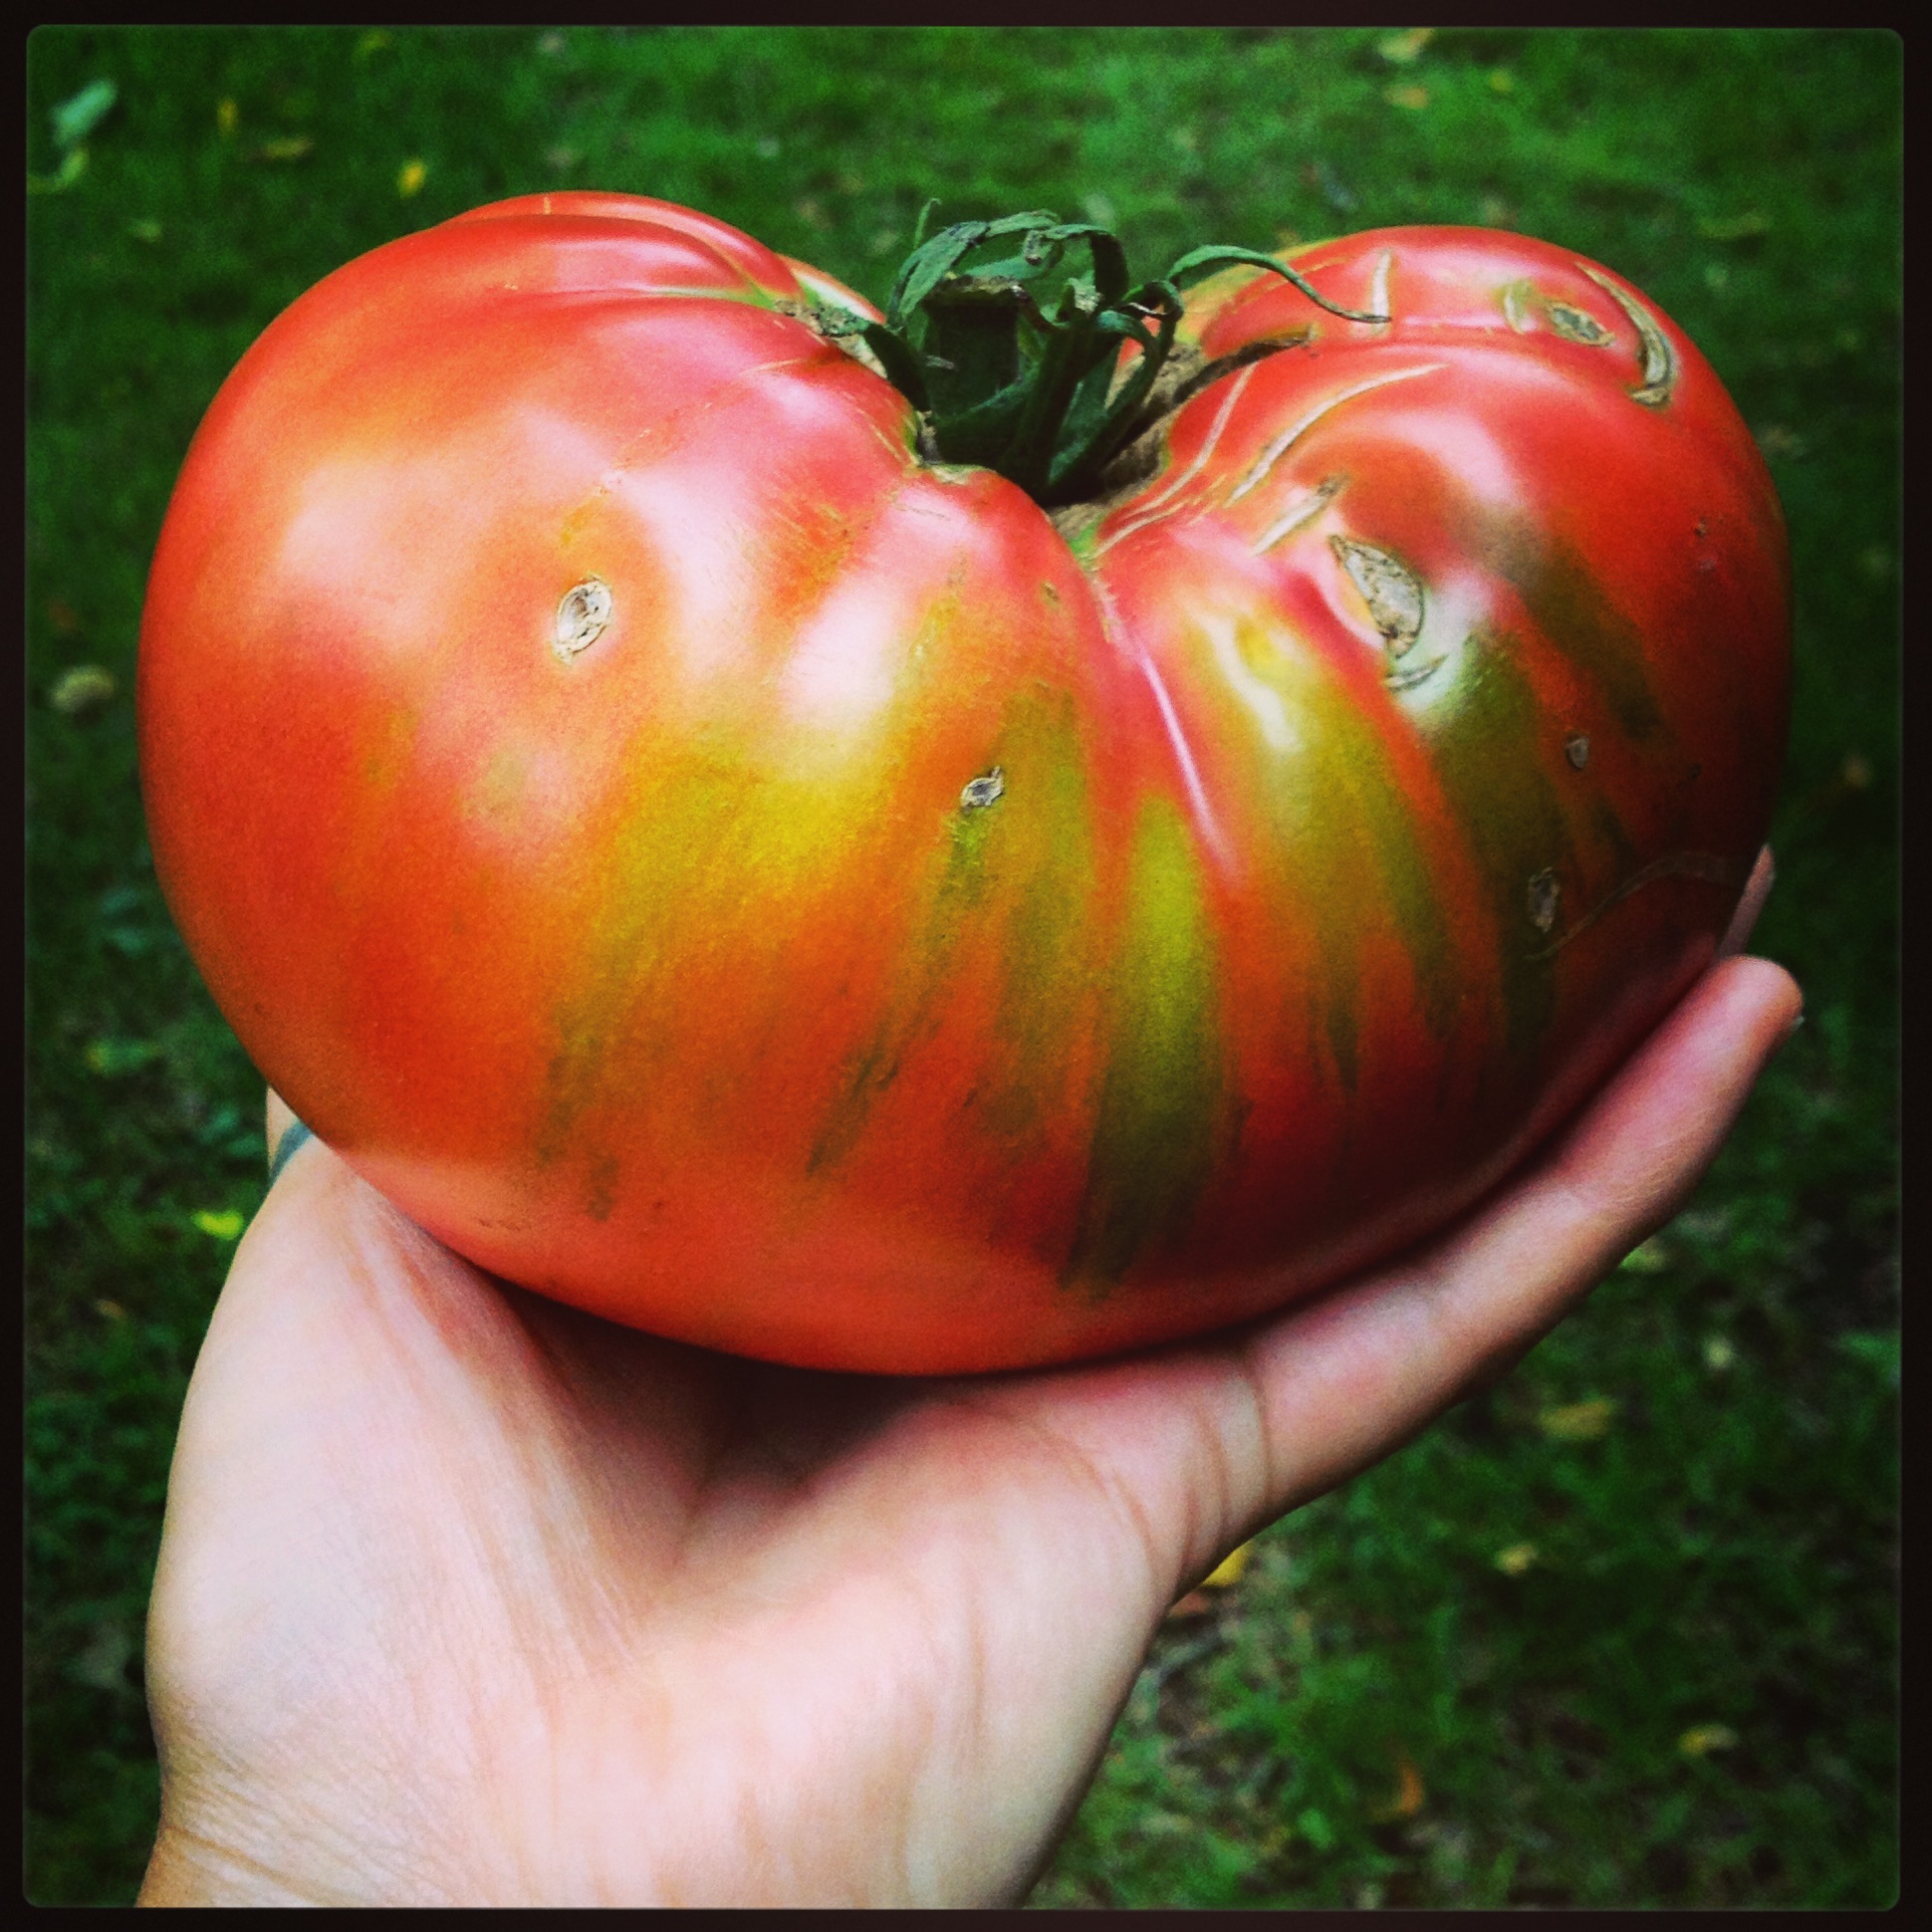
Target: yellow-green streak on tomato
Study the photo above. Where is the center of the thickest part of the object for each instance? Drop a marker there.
(1511, 814)
(1163, 1091)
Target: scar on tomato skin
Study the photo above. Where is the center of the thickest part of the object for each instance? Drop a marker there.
(582, 618)
(1659, 359)
(1280, 445)
(982, 790)
(1406, 675)
(1577, 750)
(1578, 325)
(1392, 592)
(1707, 868)
(1546, 895)
(1163, 501)
(1306, 509)
(1379, 288)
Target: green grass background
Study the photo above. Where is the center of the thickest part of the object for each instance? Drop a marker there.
(1703, 1462)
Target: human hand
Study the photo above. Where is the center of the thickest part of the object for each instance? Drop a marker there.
(466, 1597)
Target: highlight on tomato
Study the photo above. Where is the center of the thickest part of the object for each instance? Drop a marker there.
(1054, 815)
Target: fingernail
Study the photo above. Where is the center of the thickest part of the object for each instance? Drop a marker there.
(293, 1136)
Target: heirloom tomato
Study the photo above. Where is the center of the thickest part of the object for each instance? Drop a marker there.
(968, 835)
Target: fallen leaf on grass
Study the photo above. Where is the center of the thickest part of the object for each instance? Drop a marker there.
(1702, 1739)
(1410, 1792)
(1229, 1570)
(1405, 47)
(80, 113)
(79, 689)
(113, 1058)
(73, 164)
(1578, 1421)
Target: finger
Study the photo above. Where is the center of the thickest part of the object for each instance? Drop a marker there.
(1756, 888)
(1344, 1381)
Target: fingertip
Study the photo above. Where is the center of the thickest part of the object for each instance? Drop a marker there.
(1760, 994)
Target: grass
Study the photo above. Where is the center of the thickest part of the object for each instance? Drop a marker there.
(1622, 1632)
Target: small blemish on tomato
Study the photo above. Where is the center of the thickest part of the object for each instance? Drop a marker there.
(1391, 591)
(982, 790)
(1577, 750)
(1546, 892)
(580, 617)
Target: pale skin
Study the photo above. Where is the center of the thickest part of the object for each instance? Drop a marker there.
(466, 1598)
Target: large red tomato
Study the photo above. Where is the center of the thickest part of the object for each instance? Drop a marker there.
(718, 865)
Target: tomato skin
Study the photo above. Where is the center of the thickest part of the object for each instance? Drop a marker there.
(1369, 778)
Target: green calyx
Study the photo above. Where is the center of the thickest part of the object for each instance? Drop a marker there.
(1041, 396)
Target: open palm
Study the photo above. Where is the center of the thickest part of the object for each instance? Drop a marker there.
(467, 1597)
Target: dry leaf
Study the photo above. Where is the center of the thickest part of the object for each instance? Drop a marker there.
(1405, 47)
(1578, 1421)
(1702, 1739)
(113, 1058)
(79, 689)
(1229, 1570)
(1410, 1792)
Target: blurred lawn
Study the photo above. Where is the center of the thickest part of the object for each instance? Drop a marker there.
(1622, 1632)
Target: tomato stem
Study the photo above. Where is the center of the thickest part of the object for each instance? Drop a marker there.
(1040, 397)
